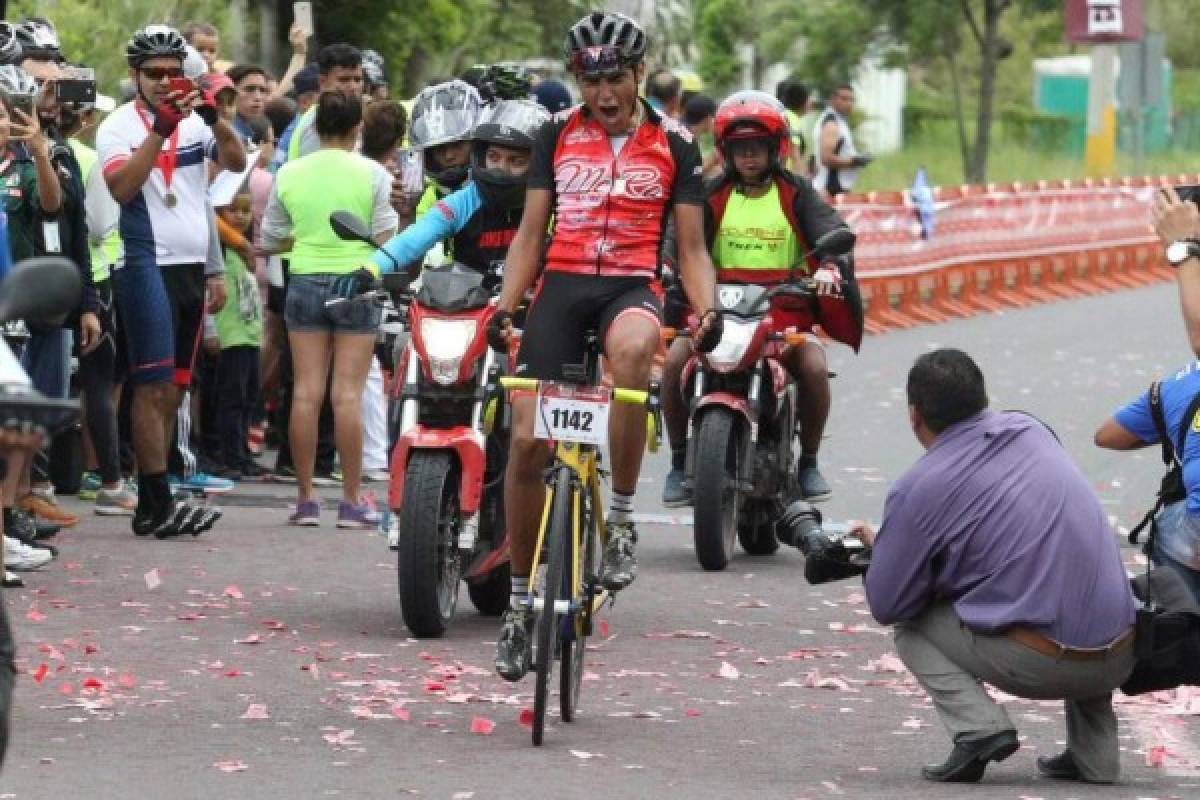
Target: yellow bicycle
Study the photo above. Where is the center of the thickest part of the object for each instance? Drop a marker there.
(565, 590)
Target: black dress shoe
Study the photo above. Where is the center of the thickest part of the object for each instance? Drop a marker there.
(968, 760)
(1060, 767)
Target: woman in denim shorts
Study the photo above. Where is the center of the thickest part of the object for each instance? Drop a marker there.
(323, 268)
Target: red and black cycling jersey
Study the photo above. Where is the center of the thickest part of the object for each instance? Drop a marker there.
(610, 210)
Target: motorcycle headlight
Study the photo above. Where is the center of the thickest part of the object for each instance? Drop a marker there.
(446, 342)
(735, 339)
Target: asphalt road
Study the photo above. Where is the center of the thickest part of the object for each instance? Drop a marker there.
(261, 661)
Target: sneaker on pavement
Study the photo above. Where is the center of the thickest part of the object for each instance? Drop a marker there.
(43, 507)
(674, 493)
(813, 486)
(25, 529)
(356, 515)
(12, 581)
(201, 482)
(119, 502)
(307, 514)
(21, 557)
(188, 519)
(89, 485)
(620, 563)
(514, 651)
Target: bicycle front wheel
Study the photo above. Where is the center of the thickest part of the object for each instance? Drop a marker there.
(578, 625)
(558, 528)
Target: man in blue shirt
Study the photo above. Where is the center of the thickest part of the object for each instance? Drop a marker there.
(996, 563)
(1177, 536)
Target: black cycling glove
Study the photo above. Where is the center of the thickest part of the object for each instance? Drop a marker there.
(350, 286)
(498, 332)
(706, 340)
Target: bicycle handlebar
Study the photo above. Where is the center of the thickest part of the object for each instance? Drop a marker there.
(634, 397)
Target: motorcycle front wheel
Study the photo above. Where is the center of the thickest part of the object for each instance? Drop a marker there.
(715, 496)
(427, 558)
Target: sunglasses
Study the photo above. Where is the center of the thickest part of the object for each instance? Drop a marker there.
(158, 73)
(601, 60)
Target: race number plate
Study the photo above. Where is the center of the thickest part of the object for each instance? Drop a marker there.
(572, 414)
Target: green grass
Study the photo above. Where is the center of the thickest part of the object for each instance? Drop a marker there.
(1008, 161)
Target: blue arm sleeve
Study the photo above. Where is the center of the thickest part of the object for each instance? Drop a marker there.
(445, 219)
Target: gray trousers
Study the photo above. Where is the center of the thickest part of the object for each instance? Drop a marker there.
(950, 661)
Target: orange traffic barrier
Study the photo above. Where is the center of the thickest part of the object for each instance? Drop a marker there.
(1002, 245)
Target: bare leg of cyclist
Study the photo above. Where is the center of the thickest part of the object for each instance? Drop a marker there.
(352, 354)
(675, 418)
(310, 354)
(808, 366)
(524, 497)
(629, 348)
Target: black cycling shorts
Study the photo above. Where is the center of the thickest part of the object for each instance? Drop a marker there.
(566, 307)
(161, 311)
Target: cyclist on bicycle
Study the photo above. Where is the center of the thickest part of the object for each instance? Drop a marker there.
(760, 219)
(609, 171)
(481, 217)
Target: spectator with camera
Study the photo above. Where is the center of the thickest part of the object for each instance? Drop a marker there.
(154, 152)
(47, 357)
(995, 562)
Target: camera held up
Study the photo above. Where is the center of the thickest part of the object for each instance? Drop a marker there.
(828, 556)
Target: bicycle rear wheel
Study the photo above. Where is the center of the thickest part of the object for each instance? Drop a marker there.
(558, 528)
(578, 626)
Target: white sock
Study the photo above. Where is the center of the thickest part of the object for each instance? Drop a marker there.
(620, 507)
(519, 592)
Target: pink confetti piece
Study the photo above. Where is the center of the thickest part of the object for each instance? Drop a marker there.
(33, 615)
(886, 663)
(274, 624)
(126, 680)
(603, 628)
(233, 673)
(66, 689)
(1156, 756)
(728, 671)
(40, 673)
(253, 638)
(482, 726)
(691, 712)
(401, 713)
(231, 766)
(233, 592)
(435, 686)
(90, 649)
(153, 579)
(526, 717)
(256, 711)
(93, 683)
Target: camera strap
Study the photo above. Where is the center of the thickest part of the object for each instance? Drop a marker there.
(1171, 490)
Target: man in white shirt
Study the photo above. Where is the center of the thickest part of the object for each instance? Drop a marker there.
(153, 154)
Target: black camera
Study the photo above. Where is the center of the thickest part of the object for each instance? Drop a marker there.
(828, 556)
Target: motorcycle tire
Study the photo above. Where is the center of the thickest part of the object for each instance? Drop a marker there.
(490, 594)
(427, 558)
(715, 497)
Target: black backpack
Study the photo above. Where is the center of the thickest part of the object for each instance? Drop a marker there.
(1171, 490)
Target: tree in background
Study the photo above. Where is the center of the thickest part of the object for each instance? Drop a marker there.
(94, 32)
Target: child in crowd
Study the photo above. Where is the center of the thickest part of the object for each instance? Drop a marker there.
(204, 37)
(239, 331)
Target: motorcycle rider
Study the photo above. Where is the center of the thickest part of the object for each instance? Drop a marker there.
(443, 117)
(760, 219)
(482, 216)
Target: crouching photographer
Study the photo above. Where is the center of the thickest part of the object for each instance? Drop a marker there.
(995, 562)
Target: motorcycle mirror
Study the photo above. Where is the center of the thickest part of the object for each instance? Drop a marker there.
(836, 242)
(41, 290)
(349, 227)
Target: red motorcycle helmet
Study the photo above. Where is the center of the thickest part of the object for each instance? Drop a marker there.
(751, 114)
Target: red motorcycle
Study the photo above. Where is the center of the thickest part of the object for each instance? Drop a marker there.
(742, 437)
(448, 460)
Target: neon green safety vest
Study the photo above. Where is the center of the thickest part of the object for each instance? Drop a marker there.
(109, 251)
(755, 234)
(313, 187)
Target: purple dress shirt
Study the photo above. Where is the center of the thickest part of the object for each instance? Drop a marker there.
(996, 518)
